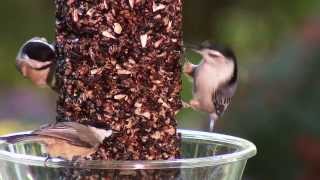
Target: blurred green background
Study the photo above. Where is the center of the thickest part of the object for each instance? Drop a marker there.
(276, 105)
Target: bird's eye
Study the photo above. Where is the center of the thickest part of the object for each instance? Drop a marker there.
(213, 55)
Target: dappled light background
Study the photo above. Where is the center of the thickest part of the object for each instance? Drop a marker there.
(277, 105)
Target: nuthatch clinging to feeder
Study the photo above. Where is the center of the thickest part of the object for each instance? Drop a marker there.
(67, 140)
(215, 80)
(36, 60)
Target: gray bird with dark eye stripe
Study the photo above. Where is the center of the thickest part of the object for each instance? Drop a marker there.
(215, 80)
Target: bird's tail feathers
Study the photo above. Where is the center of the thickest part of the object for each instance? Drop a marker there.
(19, 138)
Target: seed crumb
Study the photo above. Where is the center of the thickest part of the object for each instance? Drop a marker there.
(107, 34)
(131, 3)
(123, 72)
(157, 7)
(120, 96)
(144, 40)
(156, 135)
(139, 112)
(117, 28)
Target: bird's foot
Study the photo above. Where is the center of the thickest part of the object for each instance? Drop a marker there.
(195, 104)
(185, 105)
(188, 68)
(48, 157)
(76, 161)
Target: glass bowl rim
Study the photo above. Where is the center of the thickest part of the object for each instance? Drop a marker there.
(246, 151)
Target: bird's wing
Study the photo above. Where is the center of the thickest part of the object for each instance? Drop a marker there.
(85, 133)
(222, 98)
(195, 80)
(65, 131)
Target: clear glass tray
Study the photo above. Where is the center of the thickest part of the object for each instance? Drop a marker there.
(205, 156)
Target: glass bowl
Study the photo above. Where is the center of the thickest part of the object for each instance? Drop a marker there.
(205, 156)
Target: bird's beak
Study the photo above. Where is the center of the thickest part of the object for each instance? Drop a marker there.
(197, 51)
(194, 48)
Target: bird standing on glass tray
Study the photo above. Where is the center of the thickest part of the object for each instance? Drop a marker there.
(214, 80)
(36, 61)
(67, 140)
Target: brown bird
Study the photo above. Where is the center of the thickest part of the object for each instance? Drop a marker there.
(67, 140)
(36, 61)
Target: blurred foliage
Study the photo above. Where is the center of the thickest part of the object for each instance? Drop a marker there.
(277, 44)
(10, 125)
